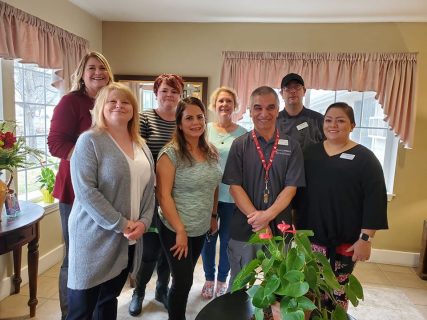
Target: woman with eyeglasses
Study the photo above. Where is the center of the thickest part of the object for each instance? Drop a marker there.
(188, 174)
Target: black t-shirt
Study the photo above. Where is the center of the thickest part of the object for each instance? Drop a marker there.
(306, 127)
(244, 168)
(345, 193)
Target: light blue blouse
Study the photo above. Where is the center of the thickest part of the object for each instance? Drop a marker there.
(223, 141)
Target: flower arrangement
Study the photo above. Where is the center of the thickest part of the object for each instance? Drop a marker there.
(290, 272)
(14, 152)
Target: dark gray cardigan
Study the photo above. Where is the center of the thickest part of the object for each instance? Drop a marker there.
(100, 174)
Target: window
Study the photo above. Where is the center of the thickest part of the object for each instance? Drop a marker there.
(35, 100)
(371, 129)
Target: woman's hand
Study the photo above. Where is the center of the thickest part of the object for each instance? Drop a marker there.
(180, 249)
(362, 250)
(214, 225)
(135, 230)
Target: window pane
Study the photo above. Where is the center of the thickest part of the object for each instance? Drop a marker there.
(373, 139)
(34, 87)
(19, 84)
(34, 120)
(30, 177)
(319, 100)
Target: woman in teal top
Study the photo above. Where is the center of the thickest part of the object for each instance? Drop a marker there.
(221, 134)
(188, 174)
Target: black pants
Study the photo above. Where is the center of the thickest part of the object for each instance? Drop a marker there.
(182, 270)
(152, 255)
(99, 302)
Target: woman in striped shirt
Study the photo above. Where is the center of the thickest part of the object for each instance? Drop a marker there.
(156, 126)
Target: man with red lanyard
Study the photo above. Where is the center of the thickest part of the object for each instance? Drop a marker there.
(264, 169)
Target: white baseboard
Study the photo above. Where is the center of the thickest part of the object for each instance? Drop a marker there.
(46, 261)
(409, 259)
(399, 258)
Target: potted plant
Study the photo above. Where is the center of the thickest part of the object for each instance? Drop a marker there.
(14, 153)
(290, 275)
(47, 182)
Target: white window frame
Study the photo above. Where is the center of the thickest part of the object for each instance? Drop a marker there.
(8, 111)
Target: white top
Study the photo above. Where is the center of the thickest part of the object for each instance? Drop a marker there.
(138, 168)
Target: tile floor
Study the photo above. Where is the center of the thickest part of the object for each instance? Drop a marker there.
(403, 278)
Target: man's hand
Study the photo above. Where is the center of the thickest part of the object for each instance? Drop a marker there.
(258, 220)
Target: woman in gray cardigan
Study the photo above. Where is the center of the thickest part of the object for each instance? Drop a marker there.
(112, 172)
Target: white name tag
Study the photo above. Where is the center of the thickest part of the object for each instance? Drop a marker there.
(347, 156)
(302, 125)
(283, 142)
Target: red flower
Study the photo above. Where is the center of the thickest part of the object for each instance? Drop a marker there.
(8, 139)
(284, 228)
(266, 235)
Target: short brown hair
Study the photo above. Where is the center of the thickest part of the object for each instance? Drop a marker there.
(171, 80)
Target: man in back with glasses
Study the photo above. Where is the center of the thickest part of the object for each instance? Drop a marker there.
(302, 124)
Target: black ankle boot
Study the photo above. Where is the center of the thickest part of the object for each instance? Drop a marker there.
(135, 306)
(162, 297)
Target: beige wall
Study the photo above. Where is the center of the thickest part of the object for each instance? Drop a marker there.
(195, 50)
(64, 14)
(71, 18)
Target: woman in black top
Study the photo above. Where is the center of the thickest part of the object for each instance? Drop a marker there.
(345, 200)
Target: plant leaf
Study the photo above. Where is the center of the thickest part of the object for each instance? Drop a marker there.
(305, 303)
(310, 274)
(295, 315)
(245, 275)
(339, 313)
(294, 276)
(272, 284)
(355, 286)
(296, 289)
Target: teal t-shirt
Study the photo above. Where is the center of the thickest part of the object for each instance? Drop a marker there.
(223, 141)
(193, 192)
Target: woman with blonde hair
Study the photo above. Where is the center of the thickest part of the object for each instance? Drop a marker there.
(221, 133)
(188, 175)
(70, 118)
(112, 171)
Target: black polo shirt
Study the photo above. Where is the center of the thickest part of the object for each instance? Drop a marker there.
(306, 127)
(244, 168)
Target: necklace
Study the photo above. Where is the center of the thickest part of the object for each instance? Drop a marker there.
(266, 165)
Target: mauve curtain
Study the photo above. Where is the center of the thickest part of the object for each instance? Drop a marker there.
(391, 75)
(33, 40)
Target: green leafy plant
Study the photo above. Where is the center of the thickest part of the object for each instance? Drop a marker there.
(290, 272)
(46, 179)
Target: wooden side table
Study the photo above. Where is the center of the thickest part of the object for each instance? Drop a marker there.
(16, 232)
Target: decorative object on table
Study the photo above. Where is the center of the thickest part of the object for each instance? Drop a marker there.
(11, 203)
(14, 153)
(47, 182)
(292, 280)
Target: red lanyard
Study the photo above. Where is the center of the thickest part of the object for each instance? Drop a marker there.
(265, 165)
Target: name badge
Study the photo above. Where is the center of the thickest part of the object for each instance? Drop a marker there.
(283, 142)
(347, 156)
(302, 125)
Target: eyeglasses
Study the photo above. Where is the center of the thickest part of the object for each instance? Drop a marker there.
(296, 87)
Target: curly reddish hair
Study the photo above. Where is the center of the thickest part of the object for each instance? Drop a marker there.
(171, 80)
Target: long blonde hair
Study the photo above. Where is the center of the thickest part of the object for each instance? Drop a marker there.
(98, 119)
(77, 77)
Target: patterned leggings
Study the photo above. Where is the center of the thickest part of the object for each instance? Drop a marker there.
(343, 268)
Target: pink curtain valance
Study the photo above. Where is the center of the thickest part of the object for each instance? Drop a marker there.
(391, 75)
(33, 40)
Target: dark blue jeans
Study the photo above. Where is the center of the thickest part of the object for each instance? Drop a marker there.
(64, 211)
(225, 212)
(182, 270)
(99, 302)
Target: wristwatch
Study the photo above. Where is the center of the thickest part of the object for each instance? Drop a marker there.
(365, 237)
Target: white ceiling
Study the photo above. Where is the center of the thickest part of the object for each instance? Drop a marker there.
(281, 11)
